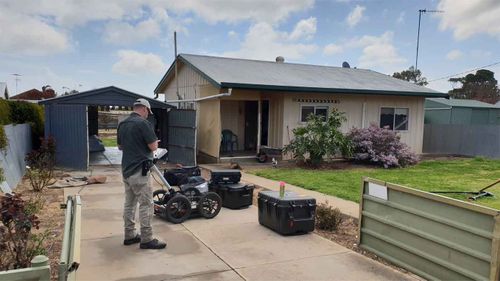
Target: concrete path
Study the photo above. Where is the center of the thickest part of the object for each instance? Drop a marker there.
(232, 246)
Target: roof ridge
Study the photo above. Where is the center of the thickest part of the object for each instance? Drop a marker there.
(273, 62)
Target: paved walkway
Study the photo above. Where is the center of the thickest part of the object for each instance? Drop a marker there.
(232, 246)
(346, 207)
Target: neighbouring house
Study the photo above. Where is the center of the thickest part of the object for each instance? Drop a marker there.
(35, 94)
(4, 91)
(461, 111)
(259, 103)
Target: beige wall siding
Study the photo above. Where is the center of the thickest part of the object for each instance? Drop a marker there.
(352, 105)
(209, 123)
(275, 119)
(189, 84)
(233, 118)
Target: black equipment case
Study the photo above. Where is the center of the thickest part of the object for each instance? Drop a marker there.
(234, 195)
(291, 214)
(225, 176)
(180, 176)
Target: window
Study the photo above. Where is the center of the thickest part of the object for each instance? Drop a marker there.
(394, 118)
(306, 110)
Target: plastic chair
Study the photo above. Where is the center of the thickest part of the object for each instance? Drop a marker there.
(229, 139)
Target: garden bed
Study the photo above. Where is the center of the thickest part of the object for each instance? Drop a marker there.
(51, 218)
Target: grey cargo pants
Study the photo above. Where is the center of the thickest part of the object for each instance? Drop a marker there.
(138, 190)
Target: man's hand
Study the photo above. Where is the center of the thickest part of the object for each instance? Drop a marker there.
(154, 145)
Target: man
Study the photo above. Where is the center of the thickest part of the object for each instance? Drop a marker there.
(137, 140)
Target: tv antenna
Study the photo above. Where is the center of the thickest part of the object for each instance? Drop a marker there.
(420, 12)
(17, 75)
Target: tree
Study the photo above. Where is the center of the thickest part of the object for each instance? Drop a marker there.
(481, 86)
(319, 138)
(411, 75)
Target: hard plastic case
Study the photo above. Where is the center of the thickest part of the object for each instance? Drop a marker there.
(225, 176)
(292, 214)
(234, 195)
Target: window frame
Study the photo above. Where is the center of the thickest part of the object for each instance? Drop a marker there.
(314, 109)
(394, 117)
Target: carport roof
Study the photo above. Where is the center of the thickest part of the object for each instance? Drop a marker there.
(104, 96)
(266, 75)
(463, 103)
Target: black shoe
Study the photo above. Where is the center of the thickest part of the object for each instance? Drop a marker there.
(136, 239)
(153, 244)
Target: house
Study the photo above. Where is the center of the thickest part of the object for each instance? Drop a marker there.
(4, 91)
(460, 111)
(261, 102)
(35, 94)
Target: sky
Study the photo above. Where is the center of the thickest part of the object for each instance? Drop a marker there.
(83, 45)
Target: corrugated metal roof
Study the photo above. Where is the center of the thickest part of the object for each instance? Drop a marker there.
(463, 103)
(254, 74)
(105, 96)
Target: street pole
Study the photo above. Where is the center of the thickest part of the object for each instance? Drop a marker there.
(420, 12)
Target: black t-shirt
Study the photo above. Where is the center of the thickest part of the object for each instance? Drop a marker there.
(134, 135)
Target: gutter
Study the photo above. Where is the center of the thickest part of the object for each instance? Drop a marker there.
(203, 98)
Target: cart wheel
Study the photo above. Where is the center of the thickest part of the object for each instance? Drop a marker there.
(178, 209)
(160, 196)
(209, 205)
(262, 157)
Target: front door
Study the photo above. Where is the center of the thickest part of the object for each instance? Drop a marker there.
(251, 111)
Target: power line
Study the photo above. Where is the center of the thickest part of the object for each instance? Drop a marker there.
(474, 69)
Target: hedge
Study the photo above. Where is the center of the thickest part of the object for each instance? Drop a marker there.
(20, 112)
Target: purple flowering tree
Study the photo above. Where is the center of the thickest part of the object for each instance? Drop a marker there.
(380, 146)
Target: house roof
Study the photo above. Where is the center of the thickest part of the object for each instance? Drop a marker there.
(265, 75)
(462, 103)
(34, 94)
(105, 96)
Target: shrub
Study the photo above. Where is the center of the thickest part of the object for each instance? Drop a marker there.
(381, 146)
(319, 138)
(328, 218)
(18, 242)
(41, 163)
(4, 112)
(4, 142)
(25, 112)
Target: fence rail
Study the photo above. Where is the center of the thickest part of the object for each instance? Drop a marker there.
(433, 236)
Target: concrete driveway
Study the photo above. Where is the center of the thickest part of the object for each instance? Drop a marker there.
(232, 246)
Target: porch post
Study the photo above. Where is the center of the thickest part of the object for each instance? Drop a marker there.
(259, 125)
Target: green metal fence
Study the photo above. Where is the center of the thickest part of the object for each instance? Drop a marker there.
(436, 237)
(70, 253)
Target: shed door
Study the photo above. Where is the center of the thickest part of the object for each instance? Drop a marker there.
(182, 136)
(68, 125)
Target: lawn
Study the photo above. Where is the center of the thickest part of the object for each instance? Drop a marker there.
(107, 142)
(430, 175)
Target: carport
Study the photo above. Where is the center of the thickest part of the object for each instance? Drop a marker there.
(73, 118)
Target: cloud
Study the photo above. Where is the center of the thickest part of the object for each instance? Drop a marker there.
(332, 49)
(122, 33)
(378, 52)
(263, 42)
(24, 35)
(355, 15)
(470, 17)
(401, 18)
(304, 29)
(133, 63)
(231, 11)
(454, 55)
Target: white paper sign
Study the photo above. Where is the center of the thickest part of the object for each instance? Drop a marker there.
(377, 190)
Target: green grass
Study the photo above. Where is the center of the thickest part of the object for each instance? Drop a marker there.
(109, 142)
(431, 175)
